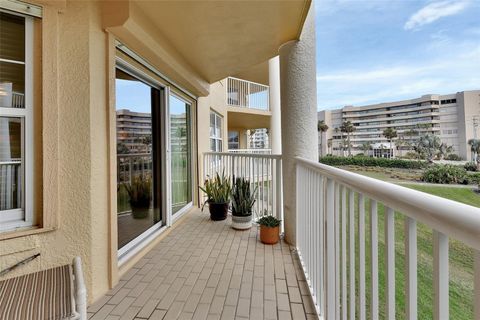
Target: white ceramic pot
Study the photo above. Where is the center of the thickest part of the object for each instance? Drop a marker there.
(241, 222)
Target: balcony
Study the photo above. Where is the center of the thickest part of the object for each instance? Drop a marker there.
(207, 270)
(247, 94)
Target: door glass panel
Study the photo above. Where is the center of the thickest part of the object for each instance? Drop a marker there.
(180, 146)
(136, 208)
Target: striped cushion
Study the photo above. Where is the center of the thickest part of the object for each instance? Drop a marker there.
(42, 295)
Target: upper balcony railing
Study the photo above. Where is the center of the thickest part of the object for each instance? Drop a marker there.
(333, 213)
(247, 94)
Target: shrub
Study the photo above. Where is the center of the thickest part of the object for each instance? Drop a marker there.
(453, 157)
(411, 155)
(445, 174)
(372, 162)
(473, 178)
(470, 166)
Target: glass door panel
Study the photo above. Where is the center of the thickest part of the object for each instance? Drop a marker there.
(180, 146)
(137, 169)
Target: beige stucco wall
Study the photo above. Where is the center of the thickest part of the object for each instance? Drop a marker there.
(74, 149)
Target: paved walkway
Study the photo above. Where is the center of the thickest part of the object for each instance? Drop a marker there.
(207, 270)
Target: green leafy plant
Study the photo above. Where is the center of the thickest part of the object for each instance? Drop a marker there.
(268, 220)
(470, 166)
(217, 189)
(139, 191)
(372, 162)
(453, 157)
(445, 174)
(243, 198)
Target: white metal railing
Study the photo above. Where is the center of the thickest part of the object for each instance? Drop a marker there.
(10, 184)
(131, 165)
(18, 100)
(247, 94)
(264, 171)
(254, 151)
(331, 201)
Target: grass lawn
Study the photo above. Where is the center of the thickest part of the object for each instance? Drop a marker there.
(461, 261)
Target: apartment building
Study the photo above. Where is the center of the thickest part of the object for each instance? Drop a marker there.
(134, 131)
(452, 117)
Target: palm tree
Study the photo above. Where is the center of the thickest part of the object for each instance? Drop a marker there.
(347, 127)
(321, 127)
(390, 133)
(366, 146)
(475, 148)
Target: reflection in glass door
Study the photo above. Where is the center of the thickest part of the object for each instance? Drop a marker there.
(138, 179)
(180, 146)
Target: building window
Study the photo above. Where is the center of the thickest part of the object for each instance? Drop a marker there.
(233, 140)
(215, 132)
(16, 121)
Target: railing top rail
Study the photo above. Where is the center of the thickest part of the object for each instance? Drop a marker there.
(130, 155)
(243, 80)
(452, 218)
(251, 155)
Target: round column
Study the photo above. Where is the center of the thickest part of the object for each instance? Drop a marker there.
(298, 114)
(275, 132)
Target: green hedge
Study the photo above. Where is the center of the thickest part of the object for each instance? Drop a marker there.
(372, 162)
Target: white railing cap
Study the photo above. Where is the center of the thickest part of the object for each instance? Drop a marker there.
(452, 218)
(251, 155)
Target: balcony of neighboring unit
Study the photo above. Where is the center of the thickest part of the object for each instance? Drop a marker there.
(248, 102)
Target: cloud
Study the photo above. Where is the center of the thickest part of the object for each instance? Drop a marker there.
(435, 11)
(448, 73)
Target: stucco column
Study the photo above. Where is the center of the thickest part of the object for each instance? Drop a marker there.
(298, 112)
(275, 132)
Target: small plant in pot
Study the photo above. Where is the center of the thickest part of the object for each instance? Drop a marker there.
(218, 191)
(140, 195)
(269, 228)
(243, 200)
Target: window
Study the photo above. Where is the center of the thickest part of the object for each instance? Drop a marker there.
(16, 121)
(233, 140)
(215, 132)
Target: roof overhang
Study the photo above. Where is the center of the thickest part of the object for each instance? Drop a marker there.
(199, 42)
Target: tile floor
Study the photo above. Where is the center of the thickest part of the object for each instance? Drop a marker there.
(207, 270)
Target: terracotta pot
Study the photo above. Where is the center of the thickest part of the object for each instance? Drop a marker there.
(241, 222)
(218, 211)
(269, 235)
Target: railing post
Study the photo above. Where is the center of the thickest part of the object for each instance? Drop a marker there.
(390, 262)
(411, 268)
(476, 290)
(330, 295)
(440, 275)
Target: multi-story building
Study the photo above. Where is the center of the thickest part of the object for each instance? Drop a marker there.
(259, 139)
(134, 131)
(452, 117)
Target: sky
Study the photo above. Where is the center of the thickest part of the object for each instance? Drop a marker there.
(379, 51)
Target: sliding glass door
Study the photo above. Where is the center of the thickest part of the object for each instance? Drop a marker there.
(139, 179)
(180, 146)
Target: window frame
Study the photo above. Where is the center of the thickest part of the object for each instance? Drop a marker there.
(11, 220)
(218, 120)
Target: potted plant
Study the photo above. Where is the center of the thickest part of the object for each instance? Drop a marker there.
(269, 228)
(140, 195)
(242, 203)
(218, 192)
